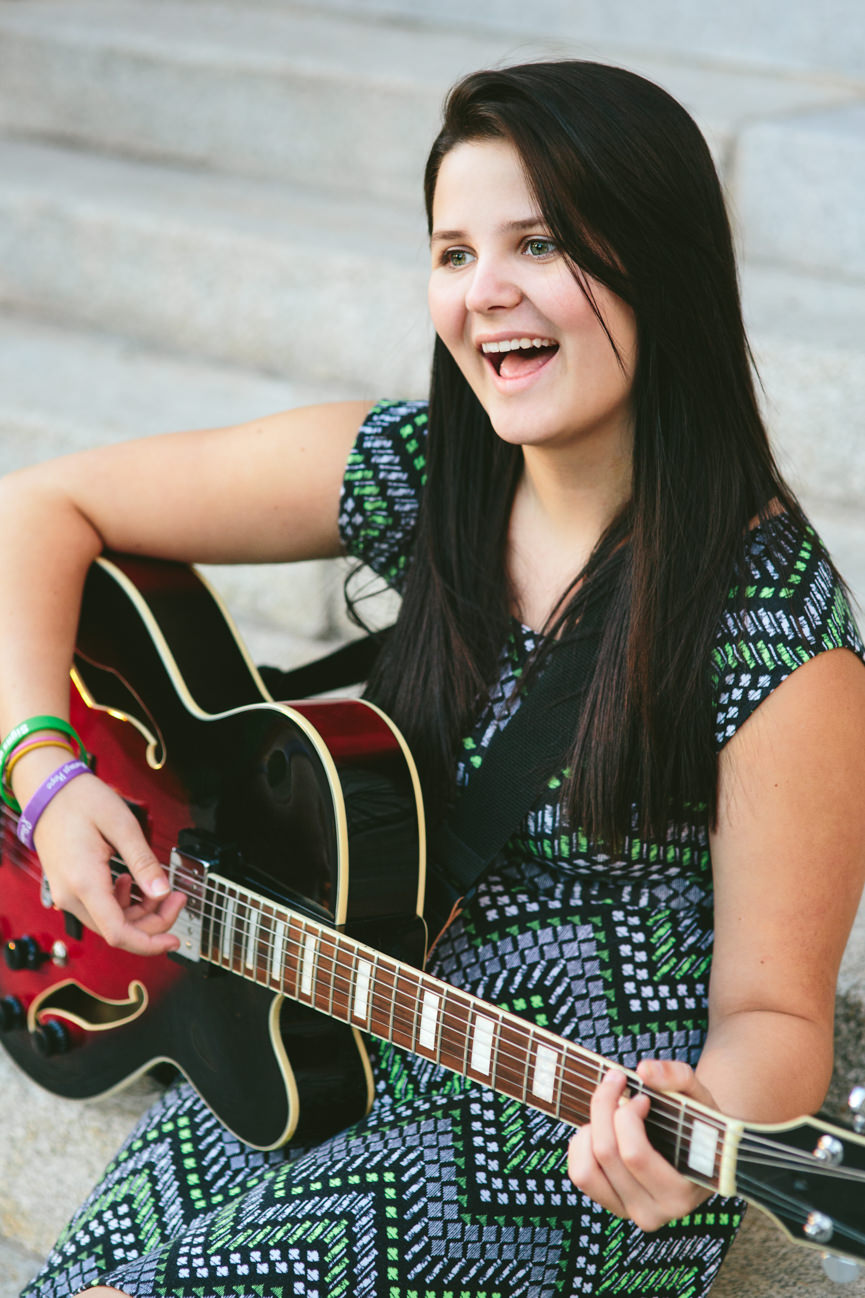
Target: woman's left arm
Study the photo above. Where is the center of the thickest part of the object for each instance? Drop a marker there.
(788, 859)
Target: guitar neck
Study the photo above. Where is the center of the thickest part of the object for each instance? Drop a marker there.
(309, 962)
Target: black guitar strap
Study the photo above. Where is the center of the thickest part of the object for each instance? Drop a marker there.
(348, 665)
(521, 757)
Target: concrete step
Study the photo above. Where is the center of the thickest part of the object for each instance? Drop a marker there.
(771, 34)
(314, 98)
(104, 389)
(17, 1266)
(807, 334)
(798, 184)
(264, 276)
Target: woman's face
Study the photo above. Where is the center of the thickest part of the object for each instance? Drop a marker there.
(506, 305)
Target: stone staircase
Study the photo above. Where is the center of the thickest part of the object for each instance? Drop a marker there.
(211, 211)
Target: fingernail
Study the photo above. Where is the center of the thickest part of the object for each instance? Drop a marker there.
(159, 888)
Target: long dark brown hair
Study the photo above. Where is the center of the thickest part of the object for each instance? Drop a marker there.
(627, 187)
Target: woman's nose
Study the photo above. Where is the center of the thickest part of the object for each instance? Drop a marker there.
(492, 286)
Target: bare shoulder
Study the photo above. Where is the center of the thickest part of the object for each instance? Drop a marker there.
(788, 850)
(813, 721)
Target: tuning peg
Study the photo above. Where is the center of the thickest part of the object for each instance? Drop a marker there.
(856, 1104)
(840, 1269)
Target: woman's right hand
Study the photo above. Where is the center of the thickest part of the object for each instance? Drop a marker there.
(82, 828)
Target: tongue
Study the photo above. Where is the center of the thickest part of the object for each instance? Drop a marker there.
(518, 363)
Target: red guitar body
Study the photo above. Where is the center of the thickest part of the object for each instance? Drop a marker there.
(313, 804)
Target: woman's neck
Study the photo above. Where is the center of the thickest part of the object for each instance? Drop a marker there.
(560, 512)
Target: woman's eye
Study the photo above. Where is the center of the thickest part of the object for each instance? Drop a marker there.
(456, 257)
(538, 247)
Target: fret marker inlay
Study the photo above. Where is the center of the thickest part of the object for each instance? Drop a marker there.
(429, 1020)
(308, 964)
(277, 953)
(252, 940)
(228, 928)
(482, 1044)
(544, 1079)
(361, 990)
(701, 1153)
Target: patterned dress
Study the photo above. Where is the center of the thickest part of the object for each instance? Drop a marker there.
(447, 1190)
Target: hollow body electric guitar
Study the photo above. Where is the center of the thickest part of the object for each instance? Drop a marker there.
(297, 833)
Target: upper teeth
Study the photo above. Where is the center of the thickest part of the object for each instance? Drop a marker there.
(513, 344)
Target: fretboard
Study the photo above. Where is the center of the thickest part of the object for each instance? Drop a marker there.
(307, 961)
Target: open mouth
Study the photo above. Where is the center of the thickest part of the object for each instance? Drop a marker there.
(516, 357)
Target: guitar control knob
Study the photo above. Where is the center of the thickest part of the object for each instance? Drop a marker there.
(23, 953)
(11, 1014)
(51, 1038)
(818, 1227)
(841, 1269)
(856, 1105)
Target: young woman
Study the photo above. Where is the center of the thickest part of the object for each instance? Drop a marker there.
(681, 893)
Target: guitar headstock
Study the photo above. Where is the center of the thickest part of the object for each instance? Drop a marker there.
(809, 1175)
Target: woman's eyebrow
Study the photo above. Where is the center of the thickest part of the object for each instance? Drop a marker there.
(507, 227)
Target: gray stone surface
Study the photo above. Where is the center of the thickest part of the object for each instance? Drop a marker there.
(762, 1263)
(215, 266)
(799, 183)
(17, 1266)
(237, 88)
(762, 33)
(65, 389)
(61, 1144)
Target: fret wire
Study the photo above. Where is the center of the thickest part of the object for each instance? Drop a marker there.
(236, 924)
(415, 1025)
(392, 1001)
(228, 955)
(678, 1137)
(333, 979)
(528, 1065)
(498, 1020)
(440, 1026)
(353, 988)
(535, 1034)
(468, 1036)
(326, 952)
(221, 914)
(373, 985)
(226, 952)
(559, 1083)
(241, 932)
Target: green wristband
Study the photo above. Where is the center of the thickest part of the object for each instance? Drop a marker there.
(20, 732)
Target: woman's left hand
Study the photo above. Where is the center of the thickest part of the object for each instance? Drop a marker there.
(612, 1161)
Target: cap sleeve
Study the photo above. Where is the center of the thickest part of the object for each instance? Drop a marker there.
(786, 608)
(382, 488)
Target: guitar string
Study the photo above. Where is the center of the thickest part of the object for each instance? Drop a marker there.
(793, 1208)
(770, 1197)
(398, 1021)
(345, 971)
(520, 1061)
(410, 1026)
(342, 966)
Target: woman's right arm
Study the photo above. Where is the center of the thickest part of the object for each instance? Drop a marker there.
(266, 491)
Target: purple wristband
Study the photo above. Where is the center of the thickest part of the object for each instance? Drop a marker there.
(43, 795)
